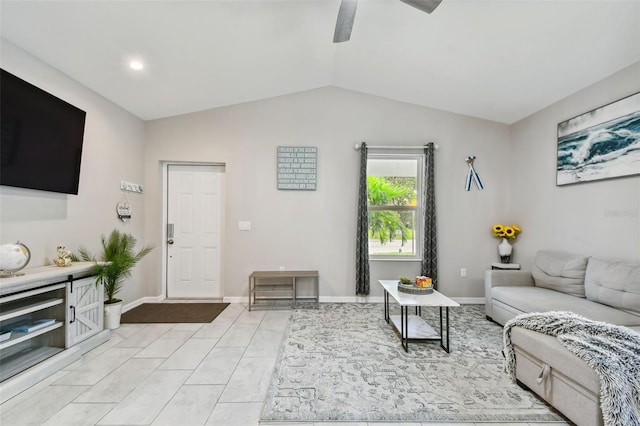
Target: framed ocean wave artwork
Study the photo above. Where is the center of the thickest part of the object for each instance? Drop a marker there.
(600, 144)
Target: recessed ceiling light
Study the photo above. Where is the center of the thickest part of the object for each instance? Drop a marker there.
(136, 65)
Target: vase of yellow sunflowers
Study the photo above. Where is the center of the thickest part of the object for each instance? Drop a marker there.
(506, 233)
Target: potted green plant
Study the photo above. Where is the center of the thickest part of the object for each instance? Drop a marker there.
(116, 261)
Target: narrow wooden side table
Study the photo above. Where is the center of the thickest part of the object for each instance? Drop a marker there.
(280, 285)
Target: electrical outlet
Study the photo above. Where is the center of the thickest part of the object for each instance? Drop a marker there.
(244, 226)
(463, 272)
(282, 269)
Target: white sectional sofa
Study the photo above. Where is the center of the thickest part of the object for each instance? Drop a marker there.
(599, 289)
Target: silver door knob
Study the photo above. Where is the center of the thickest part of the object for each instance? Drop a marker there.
(170, 241)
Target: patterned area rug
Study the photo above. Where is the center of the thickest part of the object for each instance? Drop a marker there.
(343, 362)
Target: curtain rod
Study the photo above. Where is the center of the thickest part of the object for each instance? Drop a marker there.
(357, 147)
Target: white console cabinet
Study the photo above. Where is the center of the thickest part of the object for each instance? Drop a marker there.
(85, 310)
(49, 317)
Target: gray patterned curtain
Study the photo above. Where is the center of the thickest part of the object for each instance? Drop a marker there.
(362, 239)
(430, 243)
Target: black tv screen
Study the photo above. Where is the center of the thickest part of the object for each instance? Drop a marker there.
(41, 138)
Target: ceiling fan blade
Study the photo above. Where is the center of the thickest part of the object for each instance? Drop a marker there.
(424, 5)
(346, 15)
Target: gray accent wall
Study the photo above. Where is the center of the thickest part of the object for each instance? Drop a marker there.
(600, 218)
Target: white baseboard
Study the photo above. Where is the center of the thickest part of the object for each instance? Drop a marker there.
(380, 299)
(140, 301)
(351, 299)
(328, 299)
(362, 299)
(241, 300)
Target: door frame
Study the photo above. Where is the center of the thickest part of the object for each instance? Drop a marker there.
(165, 208)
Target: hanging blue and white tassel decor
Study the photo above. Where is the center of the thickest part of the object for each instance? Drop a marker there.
(473, 176)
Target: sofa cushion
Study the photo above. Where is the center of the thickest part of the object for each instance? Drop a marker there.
(560, 271)
(537, 299)
(614, 282)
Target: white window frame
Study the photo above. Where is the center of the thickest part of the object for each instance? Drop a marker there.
(419, 207)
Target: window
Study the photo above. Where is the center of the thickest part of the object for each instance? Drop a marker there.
(394, 192)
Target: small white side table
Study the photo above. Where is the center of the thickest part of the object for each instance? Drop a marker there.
(505, 266)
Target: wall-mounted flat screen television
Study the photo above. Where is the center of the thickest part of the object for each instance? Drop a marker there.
(41, 138)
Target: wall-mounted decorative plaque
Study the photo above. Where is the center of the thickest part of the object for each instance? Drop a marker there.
(297, 167)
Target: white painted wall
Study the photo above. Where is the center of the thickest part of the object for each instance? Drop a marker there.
(316, 229)
(112, 151)
(599, 218)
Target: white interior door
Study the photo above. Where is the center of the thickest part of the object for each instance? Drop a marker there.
(194, 208)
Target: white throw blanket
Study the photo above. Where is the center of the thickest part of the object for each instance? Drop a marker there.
(612, 351)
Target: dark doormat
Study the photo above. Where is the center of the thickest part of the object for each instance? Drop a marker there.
(173, 312)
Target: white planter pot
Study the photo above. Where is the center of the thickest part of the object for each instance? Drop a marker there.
(112, 313)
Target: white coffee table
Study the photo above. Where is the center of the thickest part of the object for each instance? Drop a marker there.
(412, 327)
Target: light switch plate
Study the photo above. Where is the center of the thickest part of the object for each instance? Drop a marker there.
(244, 226)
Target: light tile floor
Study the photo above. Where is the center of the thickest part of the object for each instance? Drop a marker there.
(168, 374)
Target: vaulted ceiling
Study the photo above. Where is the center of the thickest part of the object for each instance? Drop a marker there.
(500, 60)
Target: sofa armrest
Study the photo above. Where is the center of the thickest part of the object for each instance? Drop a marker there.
(497, 278)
